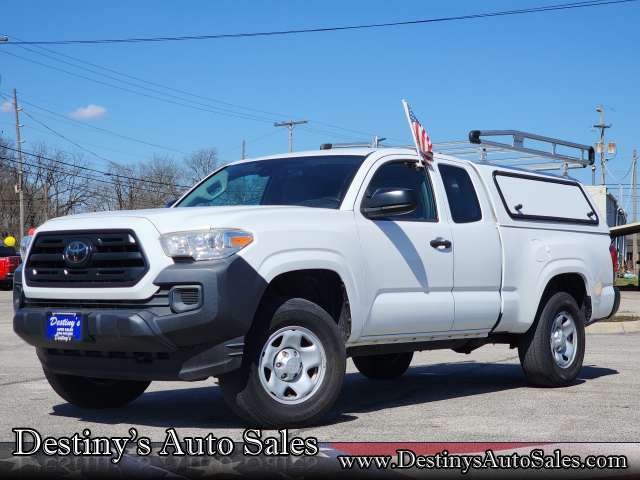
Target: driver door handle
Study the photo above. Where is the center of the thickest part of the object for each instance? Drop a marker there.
(440, 243)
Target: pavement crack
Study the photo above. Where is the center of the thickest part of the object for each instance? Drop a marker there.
(17, 382)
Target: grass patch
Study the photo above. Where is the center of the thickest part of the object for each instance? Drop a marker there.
(624, 282)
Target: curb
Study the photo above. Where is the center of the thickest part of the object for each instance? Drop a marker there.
(615, 327)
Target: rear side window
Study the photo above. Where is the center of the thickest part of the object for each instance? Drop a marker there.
(526, 197)
(407, 175)
(463, 201)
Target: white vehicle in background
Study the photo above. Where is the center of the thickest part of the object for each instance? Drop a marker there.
(269, 273)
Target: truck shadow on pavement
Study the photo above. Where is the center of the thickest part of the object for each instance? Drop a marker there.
(203, 406)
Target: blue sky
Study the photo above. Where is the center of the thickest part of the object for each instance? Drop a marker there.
(543, 73)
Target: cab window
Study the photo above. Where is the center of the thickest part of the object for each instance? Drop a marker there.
(463, 201)
(407, 175)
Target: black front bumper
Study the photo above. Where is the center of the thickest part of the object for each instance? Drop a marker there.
(148, 340)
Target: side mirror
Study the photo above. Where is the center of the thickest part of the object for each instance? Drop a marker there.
(170, 203)
(387, 202)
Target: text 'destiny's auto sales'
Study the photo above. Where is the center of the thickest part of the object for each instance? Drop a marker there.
(29, 442)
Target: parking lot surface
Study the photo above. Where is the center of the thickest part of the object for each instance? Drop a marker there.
(445, 396)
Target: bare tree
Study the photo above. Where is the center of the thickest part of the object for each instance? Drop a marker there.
(57, 183)
(9, 209)
(53, 185)
(143, 185)
(200, 164)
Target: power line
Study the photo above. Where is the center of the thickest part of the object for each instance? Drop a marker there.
(136, 85)
(109, 174)
(85, 177)
(147, 95)
(177, 100)
(122, 153)
(111, 162)
(173, 89)
(547, 8)
(91, 152)
(101, 129)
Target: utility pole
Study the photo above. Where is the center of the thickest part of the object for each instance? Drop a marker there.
(634, 208)
(290, 124)
(242, 152)
(45, 192)
(20, 165)
(602, 127)
(45, 195)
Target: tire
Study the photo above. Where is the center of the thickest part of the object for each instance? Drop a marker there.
(545, 359)
(279, 384)
(88, 392)
(383, 367)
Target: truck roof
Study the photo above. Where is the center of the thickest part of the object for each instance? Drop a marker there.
(486, 149)
(402, 150)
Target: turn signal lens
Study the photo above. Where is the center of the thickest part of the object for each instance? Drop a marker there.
(241, 240)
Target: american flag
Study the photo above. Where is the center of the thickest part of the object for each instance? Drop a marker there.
(420, 136)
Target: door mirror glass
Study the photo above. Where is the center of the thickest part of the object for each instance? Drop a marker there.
(388, 202)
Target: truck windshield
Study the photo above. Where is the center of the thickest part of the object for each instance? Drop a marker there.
(316, 181)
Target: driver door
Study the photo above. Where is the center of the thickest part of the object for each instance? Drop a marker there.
(409, 280)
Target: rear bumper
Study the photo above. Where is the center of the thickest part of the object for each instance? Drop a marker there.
(149, 340)
(616, 302)
(614, 308)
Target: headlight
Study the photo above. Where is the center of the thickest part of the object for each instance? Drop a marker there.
(205, 244)
(24, 246)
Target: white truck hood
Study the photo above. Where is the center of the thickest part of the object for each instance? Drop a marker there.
(173, 219)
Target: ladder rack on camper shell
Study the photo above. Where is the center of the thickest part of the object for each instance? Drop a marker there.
(560, 154)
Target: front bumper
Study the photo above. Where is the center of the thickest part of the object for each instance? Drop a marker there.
(148, 340)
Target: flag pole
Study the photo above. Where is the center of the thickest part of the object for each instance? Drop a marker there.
(405, 105)
(414, 134)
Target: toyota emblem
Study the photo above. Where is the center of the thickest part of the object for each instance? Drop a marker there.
(76, 253)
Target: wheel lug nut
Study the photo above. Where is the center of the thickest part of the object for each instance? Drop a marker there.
(278, 365)
(285, 354)
(284, 376)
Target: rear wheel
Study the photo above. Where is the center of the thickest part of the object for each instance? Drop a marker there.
(552, 351)
(293, 366)
(383, 367)
(89, 392)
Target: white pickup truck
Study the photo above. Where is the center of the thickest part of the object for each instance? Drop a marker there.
(269, 273)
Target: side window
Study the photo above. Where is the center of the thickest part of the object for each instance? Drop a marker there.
(407, 175)
(463, 201)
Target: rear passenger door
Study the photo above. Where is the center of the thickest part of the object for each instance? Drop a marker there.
(408, 275)
(477, 252)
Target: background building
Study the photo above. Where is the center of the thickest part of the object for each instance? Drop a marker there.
(610, 209)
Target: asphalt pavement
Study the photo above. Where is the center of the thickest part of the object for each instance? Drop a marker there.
(444, 396)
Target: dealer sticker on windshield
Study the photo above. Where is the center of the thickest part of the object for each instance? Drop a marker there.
(64, 326)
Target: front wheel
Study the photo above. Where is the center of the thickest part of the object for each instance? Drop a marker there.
(293, 367)
(86, 392)
(552, 351)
